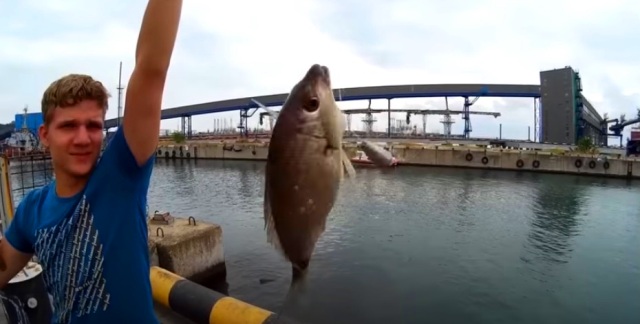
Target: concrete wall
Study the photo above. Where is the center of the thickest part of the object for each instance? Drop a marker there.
(508, 160)
(217, 150)
(419, 154)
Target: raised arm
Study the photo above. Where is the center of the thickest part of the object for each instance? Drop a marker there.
(141, 120)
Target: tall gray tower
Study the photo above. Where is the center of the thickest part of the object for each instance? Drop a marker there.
(561, 106)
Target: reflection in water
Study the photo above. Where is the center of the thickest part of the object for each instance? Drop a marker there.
(247, 178)
(444, 243)
(183, 176)
(464, 196)
(556, 208)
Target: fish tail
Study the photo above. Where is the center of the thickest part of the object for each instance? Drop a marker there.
(297, 286)
(298, 277)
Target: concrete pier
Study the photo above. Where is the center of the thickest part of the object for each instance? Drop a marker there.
(442, 155)
(187, 247)
(518, 160)
(252, 150)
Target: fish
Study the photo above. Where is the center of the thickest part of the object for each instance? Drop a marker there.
(377, 154)
(306, 164)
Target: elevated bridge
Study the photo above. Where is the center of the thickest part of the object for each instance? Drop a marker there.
(248, 107)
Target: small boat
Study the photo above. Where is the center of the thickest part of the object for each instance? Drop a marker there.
(23, 144)
(362, 160)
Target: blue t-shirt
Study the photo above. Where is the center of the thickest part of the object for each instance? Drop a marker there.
(93, 246)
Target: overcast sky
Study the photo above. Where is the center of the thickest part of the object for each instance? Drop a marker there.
(243, 48)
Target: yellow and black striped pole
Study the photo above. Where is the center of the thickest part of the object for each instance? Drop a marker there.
(203, 305)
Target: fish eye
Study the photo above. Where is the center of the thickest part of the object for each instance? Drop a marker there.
(312, 104)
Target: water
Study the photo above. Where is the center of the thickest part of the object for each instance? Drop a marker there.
(422, 245)
(418, 245)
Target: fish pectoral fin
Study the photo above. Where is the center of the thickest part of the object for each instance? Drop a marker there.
(346, 163)
(272, 234)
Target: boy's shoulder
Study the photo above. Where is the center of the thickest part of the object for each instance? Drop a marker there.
(35, 197)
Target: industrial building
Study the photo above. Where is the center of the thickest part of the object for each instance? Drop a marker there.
(565, 114)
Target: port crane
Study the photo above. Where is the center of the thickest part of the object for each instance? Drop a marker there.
(620, 124)
(369, 120)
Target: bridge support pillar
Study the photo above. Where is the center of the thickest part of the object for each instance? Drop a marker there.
(467, 116)
(536, 120)
(189, 127)
(243, 125)
(424, 125)
(388, 118)
(183, 122)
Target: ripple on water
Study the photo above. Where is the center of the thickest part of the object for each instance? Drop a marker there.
(416, 245)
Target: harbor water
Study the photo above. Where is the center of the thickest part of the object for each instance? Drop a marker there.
(431, 245)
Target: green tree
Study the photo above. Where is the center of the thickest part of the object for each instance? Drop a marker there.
(178, 137)
(585, 145)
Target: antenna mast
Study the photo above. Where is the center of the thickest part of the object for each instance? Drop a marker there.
(120, 94)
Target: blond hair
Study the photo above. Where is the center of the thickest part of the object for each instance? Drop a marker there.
(71, 90)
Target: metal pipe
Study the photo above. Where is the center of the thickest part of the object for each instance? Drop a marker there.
(203, 305)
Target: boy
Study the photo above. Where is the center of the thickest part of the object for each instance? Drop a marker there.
(88, 227)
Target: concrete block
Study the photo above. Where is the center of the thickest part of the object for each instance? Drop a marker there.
(191, 251)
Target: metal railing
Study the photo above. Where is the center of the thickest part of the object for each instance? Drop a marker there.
(27, 173)
(19, 174)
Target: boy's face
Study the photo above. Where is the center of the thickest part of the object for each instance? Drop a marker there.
(74, 137)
